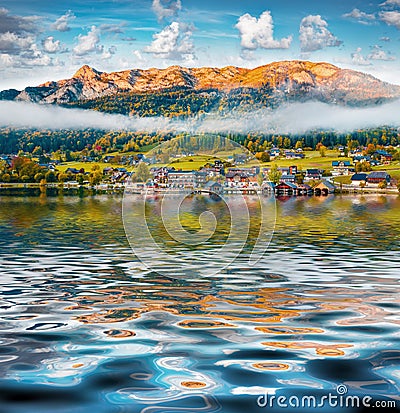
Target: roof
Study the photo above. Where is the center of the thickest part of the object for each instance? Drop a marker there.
(383, 153)
(340, 163)
(287, 177)
(359, 177)
(181, 172)
(378, 175)
(327, 184)
(289, 184)
(313, 172)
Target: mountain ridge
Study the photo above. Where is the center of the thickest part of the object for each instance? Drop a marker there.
(295, 80)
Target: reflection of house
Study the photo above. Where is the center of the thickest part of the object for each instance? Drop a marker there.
(341, 168)
(313, 175)
(359, 179)
(375, 178)
(324, 188)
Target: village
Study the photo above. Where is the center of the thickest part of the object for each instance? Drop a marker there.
(236, 173)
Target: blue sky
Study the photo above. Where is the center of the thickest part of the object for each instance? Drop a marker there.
(42, 40)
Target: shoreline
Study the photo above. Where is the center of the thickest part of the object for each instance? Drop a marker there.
(73, 190)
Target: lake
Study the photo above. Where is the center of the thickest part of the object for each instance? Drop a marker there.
(85, 326)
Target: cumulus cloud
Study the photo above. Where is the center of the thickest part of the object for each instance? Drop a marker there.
(378, 54)
(174, 42)
(255, 33)
(50, 45)
(108, 53)
(360, 16)
(166, 9)
(17, 33)
(62, 23)
(89, 43)
(358, 59)
(391, 3)
(12, 43)
(294, 118)
(314, 34)
(18, 41)
(17, 24)
(391, 18)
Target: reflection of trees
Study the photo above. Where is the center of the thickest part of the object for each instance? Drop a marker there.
(65, 220)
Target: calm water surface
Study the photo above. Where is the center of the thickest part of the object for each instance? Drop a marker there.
(85, 328)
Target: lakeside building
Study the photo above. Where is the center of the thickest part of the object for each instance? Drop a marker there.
(340, 168)
(313, 175)
(359, 179)
(378, 177)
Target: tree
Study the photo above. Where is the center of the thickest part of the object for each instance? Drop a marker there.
(274, 174)
(80, 178)
(142, 173)
(38, 177)
(62, 177)
(382, 185)
(265, 157)
(260, 178)
(95, 177)
(322, 151)
(50, 176)
(7, 178)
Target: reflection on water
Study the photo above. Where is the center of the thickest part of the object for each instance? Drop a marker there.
(85, 326)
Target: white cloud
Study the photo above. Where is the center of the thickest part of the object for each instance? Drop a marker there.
(17, 24)
(6, 60)
(358, 59)
(62, 23)
(255, 33)
(89, 43)
(391, 18)
(112, 28)
(19, 42)
(139, 56)
(13, 43)
(109, 53)
(174, 42)
(378, 54)
(52, 46)
(391, 3)
(166, 9)
(314, 34)
(360, 16)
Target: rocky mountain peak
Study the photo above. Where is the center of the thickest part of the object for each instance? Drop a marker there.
(86, 72)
